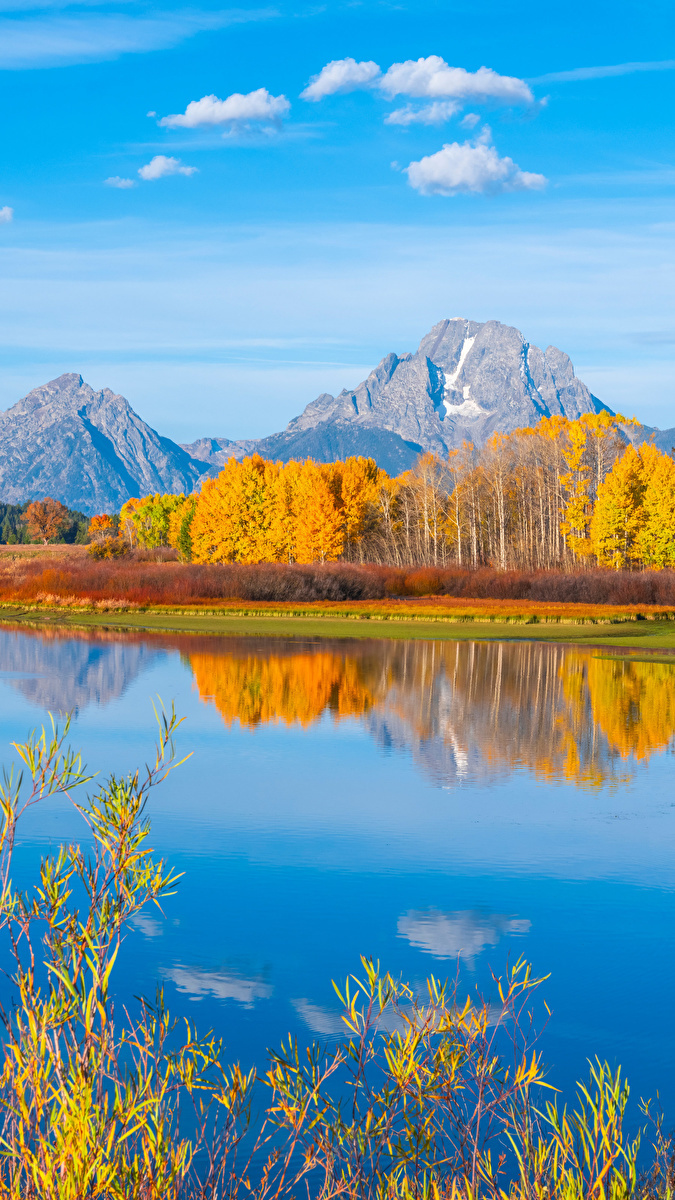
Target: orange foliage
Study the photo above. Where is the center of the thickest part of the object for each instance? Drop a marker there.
(45, 518)
(562, 713)
(257, 511)
(295, 688)
(101, 525)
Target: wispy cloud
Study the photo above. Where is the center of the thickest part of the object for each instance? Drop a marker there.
(470, 167)
(458, 934)
(577, 73)
(116, 181)
(160, 165)
(50, 41)
(6, 214)
(435, 113)
(237, 112)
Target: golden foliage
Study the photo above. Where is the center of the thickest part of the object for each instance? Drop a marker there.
(562, 713)
(561, 492)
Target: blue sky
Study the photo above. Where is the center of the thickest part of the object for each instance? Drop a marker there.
(275, 246)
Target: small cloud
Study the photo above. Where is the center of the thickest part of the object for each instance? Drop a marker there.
(432, 78)
(6, 215)
(341, 75)
(116, 181)
(435, 113)
(238, 110)
(470, 121)
(470, 167)
(149, 926)
(160, 165)
(152, 113)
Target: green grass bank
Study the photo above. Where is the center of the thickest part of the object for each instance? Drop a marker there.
(628, 635)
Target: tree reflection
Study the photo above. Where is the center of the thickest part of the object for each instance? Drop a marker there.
(467, 711)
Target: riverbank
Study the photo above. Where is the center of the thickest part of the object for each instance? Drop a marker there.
(624, 629)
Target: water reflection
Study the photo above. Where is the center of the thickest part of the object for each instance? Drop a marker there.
(467, 712)
(66, 672)
(458, 934)
(223, 985)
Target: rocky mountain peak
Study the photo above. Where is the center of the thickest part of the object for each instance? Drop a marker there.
(466, 380)
(86, 448)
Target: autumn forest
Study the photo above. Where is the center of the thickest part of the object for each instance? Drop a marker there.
(563, 494)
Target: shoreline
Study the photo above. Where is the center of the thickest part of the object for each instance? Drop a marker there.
(627, 632)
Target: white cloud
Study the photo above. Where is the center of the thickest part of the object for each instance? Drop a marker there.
(116, 181)
(53, 41)
(160, 165)
(341, 75)
(580, 73)
(237, 110)
(470, 121)
(432, 78)
(430, 114)
(469, 167)
(6, 215)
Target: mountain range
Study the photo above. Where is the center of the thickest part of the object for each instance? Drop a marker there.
(466, 381)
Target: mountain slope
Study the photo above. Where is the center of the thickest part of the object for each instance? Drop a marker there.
(88, 449)
(466, 381)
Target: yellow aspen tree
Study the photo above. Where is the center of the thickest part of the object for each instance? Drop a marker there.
(128, 528)
(604, 443)
(578, 510)
(234, 514)
(360, 480)
(319, 527)
(656, 539)
(459, 466)
(256, 490)
(283, 520)
(176, 517)
(618, 515)
(217, 519)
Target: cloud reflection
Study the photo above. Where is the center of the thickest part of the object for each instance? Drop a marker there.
(223, 985)
(458, 934)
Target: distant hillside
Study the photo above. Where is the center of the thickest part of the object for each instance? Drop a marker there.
(88, 449)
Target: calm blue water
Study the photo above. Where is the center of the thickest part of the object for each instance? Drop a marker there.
(426, 804)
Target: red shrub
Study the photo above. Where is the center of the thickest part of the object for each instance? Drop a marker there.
(155, 577)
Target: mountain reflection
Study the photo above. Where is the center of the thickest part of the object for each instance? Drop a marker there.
(467, 712)
(65, 671)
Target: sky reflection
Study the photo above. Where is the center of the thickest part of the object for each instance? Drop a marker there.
(441, 807)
